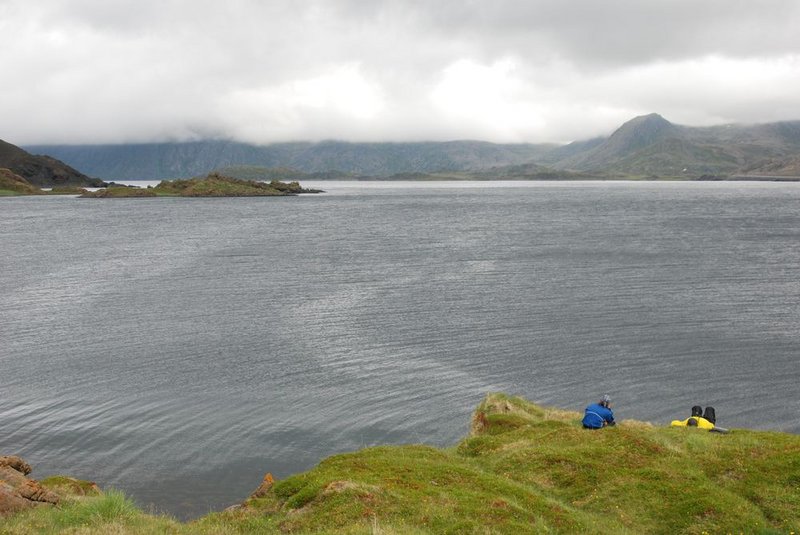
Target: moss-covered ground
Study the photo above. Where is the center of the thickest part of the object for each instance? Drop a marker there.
(523, 469)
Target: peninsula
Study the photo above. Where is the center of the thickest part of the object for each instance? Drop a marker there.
(522, 469)
(42, 171)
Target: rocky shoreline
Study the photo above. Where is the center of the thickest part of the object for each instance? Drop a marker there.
(18, 491)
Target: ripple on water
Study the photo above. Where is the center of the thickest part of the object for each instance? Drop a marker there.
(179, 349)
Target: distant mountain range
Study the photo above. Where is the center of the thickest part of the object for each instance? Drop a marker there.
(180, 160)
(651, 145)
(646, 146)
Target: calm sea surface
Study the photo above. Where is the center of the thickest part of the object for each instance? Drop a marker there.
(178, 349)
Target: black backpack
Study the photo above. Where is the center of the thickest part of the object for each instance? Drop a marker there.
(710, 415)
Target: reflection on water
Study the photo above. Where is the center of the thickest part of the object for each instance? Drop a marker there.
(180, 348)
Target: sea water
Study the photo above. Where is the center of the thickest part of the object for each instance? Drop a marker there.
(178, 349)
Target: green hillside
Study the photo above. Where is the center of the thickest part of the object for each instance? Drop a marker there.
(42, 171)
(523, 469)
(652, 146)
(677, 157)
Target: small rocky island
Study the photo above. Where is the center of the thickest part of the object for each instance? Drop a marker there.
(212, 185)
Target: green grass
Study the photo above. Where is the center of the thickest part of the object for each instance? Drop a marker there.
(522, 469)
(109, 513)
(9, 193)
(118, 193)
(66, 190)
(71, 487)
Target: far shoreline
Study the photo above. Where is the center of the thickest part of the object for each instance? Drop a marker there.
(452, 179)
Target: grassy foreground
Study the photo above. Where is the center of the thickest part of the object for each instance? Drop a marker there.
(522, 469)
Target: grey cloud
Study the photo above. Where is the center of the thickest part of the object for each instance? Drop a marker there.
(620, 31)
(129, 70)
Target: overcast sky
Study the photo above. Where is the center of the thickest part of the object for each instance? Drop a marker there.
(112, 71)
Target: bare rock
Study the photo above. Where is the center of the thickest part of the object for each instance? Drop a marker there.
(35, 492)
(10, 502)
(12, 461)
(266, 484)
(17, 491)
